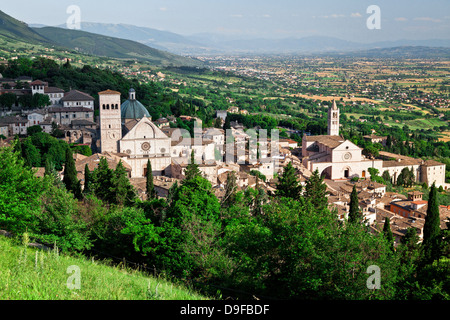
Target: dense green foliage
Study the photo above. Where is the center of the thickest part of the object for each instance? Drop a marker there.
(284, 246)
(252, 244)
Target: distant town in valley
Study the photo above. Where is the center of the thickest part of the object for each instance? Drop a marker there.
(191, 163)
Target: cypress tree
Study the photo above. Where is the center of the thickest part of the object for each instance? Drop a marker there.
(87, 180)
(48, 167)
(70, 175)
(227, 124)
(288, 186)
(355, 215)
(432, 228)
(102, 181)
(192, 169)
(388, 232)
(151, 192)
(121, 190)
(316, 191)
(230, 190)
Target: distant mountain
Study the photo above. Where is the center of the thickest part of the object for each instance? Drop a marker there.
(405, 52)
(312, 44)
(292, 45)
(209, 43)
(104, 46)
(18, 30)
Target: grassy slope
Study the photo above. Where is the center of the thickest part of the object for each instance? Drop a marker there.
(100, 45)
(21, 278)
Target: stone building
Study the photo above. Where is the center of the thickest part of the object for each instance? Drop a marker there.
(127, 130)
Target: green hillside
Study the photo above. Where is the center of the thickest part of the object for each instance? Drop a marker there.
(32, 274)
(17, 30)
(99, 45)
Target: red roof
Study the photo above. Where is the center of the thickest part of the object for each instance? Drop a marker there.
(38, 83)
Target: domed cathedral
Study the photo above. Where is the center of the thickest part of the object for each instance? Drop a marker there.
(127, 130)
(132, 109)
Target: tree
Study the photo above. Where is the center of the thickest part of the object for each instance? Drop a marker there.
(60, 221)
(406, 178)
(218, 123)
(192, 169)
(227, 124)
(102, 181)
(51, 172)
(56, 131)
(190, 230)
(151, 192)
(373, 173)
(386, 176)
(288, 186)
(7, 100)
(34, 129)
(230, 190)
(355, 214)
(31, 154)
(70, 175)
(432, 228)
(122, 191)
(316, 191)
(20, 190)
(87, 180)
(388, 232)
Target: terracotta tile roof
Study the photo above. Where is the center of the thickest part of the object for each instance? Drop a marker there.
(402, 163)
(38, 83)
(432, 163)
(329, 141)
(76, 95)
(109, 92)
(53, 90)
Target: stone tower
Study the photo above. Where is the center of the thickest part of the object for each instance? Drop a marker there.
(110, 121)
(333, 120)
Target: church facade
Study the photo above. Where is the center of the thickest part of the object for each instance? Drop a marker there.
(127, 131)
(340, 159)
(333, 156)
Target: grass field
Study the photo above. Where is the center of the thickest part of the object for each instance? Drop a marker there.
(446, 136)
(418, 124)
(31, 274)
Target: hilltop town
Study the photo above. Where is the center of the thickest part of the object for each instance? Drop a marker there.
(125, 132)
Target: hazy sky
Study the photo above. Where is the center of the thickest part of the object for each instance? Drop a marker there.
(345, 19)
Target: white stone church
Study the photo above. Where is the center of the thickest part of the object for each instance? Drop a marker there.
(127, 131)
(340, 159)
(333, 156)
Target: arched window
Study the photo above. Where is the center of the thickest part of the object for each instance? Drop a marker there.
(107, 107)
(104, 107)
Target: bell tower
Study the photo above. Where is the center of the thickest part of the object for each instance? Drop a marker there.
(110, 121)
(333, 120)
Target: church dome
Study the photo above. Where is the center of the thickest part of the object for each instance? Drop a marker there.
(133, 109)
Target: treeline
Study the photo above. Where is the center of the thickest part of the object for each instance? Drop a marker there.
(249, 244)
(92, 80)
